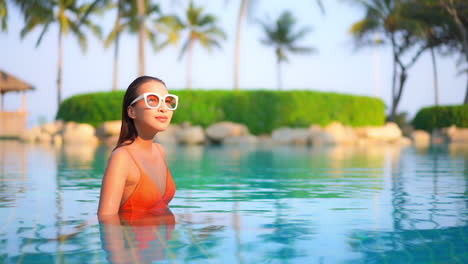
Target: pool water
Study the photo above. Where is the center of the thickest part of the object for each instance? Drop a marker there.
(283, 204)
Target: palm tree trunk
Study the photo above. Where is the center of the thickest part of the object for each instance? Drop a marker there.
(116, 48)
(242, 10)
(280, 81)
(436, 84)
(392, 117)
(450, 7)
(60, 65)
(189, 64)
(141, 37)
(396, 98)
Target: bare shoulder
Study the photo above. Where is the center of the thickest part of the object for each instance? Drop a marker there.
(121, 158)
(160, 148)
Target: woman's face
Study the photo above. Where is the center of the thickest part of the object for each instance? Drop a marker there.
(153, 118)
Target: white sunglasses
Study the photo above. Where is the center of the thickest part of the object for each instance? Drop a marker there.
(153, 100)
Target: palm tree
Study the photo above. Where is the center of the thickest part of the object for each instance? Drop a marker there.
(3, 14)
(403, 33)
(70, 16)
(114, 36)
(283, 36)
(136, 18)
(200, 28)
(459, 12)
(246, 7)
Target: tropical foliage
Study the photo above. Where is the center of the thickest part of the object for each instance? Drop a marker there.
(410, 27)
(197, 27)
(262, 111)
(69, 15)
(436, 117)
(283, 36)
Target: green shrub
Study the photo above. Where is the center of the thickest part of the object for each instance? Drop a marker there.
(431, 118)
(92, 108)
(261, 110)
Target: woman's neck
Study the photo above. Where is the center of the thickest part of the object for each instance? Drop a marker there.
(144, 142)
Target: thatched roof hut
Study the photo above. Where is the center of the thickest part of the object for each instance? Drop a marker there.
(9, 83)
(12, 123)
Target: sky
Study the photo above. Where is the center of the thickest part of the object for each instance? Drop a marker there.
(337, 66)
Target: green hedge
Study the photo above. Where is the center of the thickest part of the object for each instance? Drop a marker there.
(430, 118)
(261, 110)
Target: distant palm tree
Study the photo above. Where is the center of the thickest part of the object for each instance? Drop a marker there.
(3, 14)
(69, 15)
(135, 17)
(246, 7)
(200, 28)
(283, 36)
(114, 36)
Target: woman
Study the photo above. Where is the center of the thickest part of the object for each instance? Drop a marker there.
(137, 177)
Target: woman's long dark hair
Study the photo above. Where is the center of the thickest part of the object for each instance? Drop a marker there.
(128, 131)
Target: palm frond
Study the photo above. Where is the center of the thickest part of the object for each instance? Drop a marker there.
(4, 14)
(44, 30)
(184, 49)
(79, 35)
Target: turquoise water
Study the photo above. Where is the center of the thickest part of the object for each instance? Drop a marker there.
(243, 205)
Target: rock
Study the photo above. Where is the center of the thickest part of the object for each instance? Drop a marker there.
(57, 140)
(421, 138)
(191, 135)
(111, 141)
(286, 135)
(52, 128)
(222, 130)
(31, 135)
(79, 133)
(241, 140)
(109, 129)
(168, 136)
(322, 139)
(404, 141)
(44, 138)
(457, 134)
(340, 134)
(388, 133)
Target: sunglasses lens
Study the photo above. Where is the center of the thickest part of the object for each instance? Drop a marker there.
(152, 100)
(171, 102)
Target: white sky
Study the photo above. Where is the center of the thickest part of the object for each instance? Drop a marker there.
(337, 67)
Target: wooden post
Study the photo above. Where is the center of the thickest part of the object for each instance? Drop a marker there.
(23, 105)
(1, 102)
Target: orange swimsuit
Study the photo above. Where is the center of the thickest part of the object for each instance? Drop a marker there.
(146, 196)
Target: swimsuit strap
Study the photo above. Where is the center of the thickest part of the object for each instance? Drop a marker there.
(133, 158)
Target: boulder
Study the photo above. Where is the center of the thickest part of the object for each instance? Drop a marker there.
(109, 129)
(457, 134)
(79, 133)
(44, 138)
(388, 133)
(168, 136)
(339, 133)
(421, 138)
(222, 130)
(404, 141)
(52, 128)
(57, 139)
(322, 139)
(31, 135)
(286, 135)
(241, 140)
(191, 135)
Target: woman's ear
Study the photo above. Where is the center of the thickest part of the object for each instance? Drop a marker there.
(131, 112)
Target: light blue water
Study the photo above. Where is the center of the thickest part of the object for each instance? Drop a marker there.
(243, 205)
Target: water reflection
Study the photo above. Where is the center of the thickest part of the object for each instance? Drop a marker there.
(241, 204)
(137, 237)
